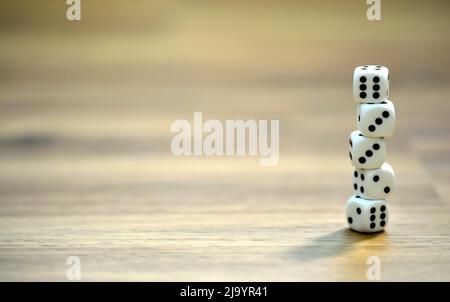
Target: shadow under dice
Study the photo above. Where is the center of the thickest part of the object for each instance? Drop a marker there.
(366, 152)
(370, 84)
(366, 216)
(375, 183)
(376, 120)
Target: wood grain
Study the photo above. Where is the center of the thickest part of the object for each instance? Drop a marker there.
(85, 161)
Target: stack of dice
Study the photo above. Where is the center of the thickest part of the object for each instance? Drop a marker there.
(373, 179)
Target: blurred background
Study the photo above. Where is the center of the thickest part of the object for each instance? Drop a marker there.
(85, 161)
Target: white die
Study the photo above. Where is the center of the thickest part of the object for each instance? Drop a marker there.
(366, 152)
(375, 183)
(370, 84)
(366, 216)
(376, 120)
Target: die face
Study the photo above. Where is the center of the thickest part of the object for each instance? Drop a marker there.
(370, 84)
(366, 152)
(376, 120)
(366, 216)
(374, 184)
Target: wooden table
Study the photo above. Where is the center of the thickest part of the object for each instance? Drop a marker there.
(85, 161)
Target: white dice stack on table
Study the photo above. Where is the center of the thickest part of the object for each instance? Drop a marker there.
(373, 179)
